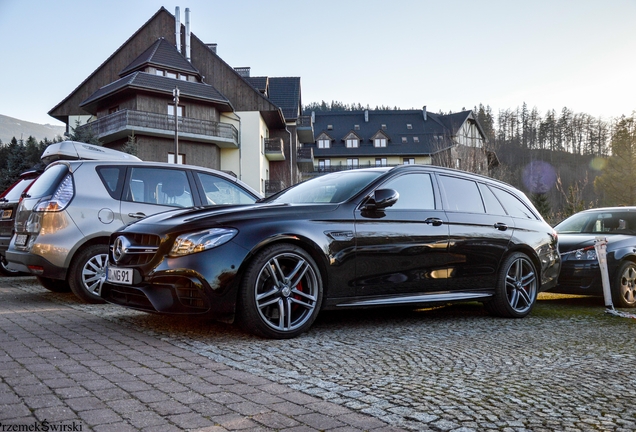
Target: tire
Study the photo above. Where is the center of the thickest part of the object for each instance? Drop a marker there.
(88, 272)
(55, 285)
(5, 271)
(517, 288)
(270, 304)
(624, 287)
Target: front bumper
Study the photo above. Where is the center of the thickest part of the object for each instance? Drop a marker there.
(580, 278)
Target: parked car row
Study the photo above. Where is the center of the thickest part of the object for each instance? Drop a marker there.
(179, 239)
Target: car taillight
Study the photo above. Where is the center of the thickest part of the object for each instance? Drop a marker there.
(60, 198)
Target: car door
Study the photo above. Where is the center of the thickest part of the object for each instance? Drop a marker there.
(480, 232)
(403, 248)
(150, 190)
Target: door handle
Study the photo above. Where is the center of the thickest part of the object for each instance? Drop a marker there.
(138, 215)
(434, 221)
(501, 226)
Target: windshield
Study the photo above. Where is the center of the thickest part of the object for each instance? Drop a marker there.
(606, 222)
(330, 188)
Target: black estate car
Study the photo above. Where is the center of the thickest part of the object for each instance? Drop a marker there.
(408, 235)
(580, 273)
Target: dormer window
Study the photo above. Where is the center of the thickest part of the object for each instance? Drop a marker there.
(160, 72)
(352, 142)
(405, 140)
(324, 143)
(356, 127)
(416, 139)
(171, 75)
(409, 126)
(379, 142)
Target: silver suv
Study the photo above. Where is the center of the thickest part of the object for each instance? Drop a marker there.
(63, 223)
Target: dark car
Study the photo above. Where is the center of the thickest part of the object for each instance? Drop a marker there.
(408, 235)
(9, 200)
(580, 272)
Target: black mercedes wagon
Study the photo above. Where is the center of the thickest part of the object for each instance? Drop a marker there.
(408, 235)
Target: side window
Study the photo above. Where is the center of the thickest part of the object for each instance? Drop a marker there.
(462, 195)
(493, 206)
(513, 205)
(416, 192)
(161, 186)
(113, 179)
(220, 191)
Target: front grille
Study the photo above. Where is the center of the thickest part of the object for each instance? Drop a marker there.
(189, 292)
(142, 250)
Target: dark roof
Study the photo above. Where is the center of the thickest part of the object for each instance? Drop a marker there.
(285, 93)
(163, 55)
(431, 134)
(259, 83)
(160, 84)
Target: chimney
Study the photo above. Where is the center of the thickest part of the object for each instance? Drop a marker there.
(366, 116)
(212, 46)
(424, 112)
(187, 36)
(177, 27)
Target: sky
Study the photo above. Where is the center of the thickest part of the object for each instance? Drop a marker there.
(446, 55)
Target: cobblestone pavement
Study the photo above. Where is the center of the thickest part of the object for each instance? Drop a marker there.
(566, 367)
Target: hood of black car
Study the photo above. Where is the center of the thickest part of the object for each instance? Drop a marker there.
(214, 215)
(569, 242)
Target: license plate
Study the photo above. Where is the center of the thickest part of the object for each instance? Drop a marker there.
(6, 214)
(20, 239)
(120, 275)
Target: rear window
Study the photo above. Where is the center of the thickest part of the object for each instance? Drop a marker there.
(48, 182)
(14, 193)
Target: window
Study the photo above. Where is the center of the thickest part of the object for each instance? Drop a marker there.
(352, 142)
(462, 195)
(113, 179)
(513, 205)
(383, 127)
(380, 161)
(171, 158)
(324, 143)
(160, 186)
(493, 206)
(159, 72)
(379, 142)
(324, 164)
(405, 140)
(113, 109)
(352, 163)
(409, 161)
(171, 75)
(220, 191)
(458, 163)
(180, 110)
(356, 127)
(416, 192)
(409, 126)
(416, 139)
(183, 77)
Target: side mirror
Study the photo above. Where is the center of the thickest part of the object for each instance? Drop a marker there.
(381, 199)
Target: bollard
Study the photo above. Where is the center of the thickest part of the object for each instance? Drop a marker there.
(600, 246)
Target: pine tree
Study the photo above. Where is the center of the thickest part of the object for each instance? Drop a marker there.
(131, 146)
(617, 184)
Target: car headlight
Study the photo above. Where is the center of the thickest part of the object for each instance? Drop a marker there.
(589, 255)
(199, 241)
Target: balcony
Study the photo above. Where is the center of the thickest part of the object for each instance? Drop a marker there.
(305, 159)
(273, 186)
(123, 123)
(274, 150)
(305, 129)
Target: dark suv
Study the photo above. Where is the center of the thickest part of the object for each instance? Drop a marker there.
(63, 225)
(9, 200)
